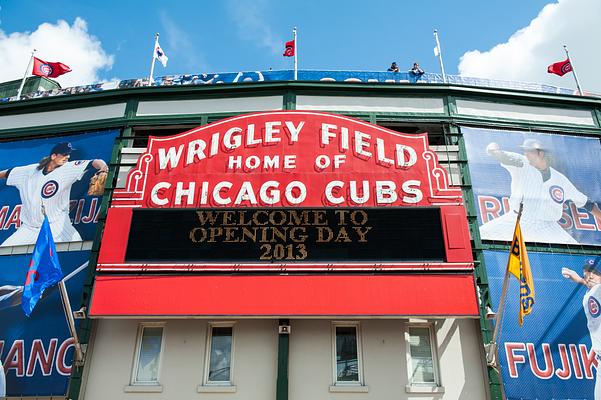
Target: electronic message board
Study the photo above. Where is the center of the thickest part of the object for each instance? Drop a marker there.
(286, 235)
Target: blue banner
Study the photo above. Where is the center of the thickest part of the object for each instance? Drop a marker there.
(37, 352)
(551, 356)
(303, 75)
(27, 182)
(557, 177)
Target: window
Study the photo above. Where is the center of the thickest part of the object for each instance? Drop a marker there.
(148, 355)
(219, 354)
(422, 362)
(347, 354)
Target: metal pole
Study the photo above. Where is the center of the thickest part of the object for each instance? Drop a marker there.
(156, 42)
(573, 70)
(70, 321)
(295, 56)
(503, 293)
(444, 76)
(27, 71)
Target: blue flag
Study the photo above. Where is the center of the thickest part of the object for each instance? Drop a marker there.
(44, 269)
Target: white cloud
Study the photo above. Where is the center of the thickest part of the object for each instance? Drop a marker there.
(527, 53)
(69, 44)
(252, 27)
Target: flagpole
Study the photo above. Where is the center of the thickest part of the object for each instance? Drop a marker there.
(444, 76)
(70, 320)
(492, 359)
(573, 70)
(27, 71)
(295, 56)
(156, 42)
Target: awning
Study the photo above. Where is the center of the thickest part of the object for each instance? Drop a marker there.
(284, 295)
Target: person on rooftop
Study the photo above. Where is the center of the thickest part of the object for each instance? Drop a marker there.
(416, 70)
(393, 67)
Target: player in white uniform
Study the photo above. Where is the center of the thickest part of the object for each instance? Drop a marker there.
(592, 307)
(47, 183)
(543, 190)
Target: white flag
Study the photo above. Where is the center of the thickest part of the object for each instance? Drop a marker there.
(436, 51)
(159, 54)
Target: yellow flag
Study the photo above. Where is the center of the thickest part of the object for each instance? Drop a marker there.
(519, 266)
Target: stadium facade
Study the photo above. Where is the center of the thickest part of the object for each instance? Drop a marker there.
(344, 235)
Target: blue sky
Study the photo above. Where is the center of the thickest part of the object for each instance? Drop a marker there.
(238, 35)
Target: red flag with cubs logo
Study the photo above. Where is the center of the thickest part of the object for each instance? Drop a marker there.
(49, 69)
(289, 49)
(560, 68)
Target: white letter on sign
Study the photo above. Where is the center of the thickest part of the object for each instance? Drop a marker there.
(329, 188)
(386, 192)
(154, 193)
(171, 157)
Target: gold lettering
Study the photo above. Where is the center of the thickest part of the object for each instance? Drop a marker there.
(247, 233)
(282, 217)
(298, 237)
(362, 231)
(341, 216)
(302, 219)
(319, 217)
(242, 219)
(230, 235)
(227, 217)
(321, 230)
(280, 233)
(363, 215)
(206, 216)
(193, 235)
(214, 233)
(342, 236)
(256, 218)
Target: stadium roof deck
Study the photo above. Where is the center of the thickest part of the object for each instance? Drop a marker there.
(370, 77)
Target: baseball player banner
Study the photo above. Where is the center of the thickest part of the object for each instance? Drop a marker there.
(37, 351)
(557, 177)
(54, 173)
(555, 354)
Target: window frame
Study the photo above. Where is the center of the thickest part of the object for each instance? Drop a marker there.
(205, 380)
(361, 376)
(136, 363)
(423, 387)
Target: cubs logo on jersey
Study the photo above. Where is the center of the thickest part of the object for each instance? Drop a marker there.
(593, 307)
(49, 189)
(557, 193)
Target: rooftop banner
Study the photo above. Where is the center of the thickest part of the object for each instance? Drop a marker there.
(554, 355)
(557, 177)
(291, 190)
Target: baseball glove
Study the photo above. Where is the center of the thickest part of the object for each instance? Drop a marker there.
(97, 182)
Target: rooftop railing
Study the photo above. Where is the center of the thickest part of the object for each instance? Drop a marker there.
(305, 76)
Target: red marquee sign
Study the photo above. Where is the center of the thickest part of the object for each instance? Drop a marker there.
(288, 159)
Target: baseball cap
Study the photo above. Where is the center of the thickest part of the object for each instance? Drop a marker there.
(532, 144)
(592, 265)
(62, 148)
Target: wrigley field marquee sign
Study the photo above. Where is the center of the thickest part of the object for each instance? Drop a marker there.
(286, 191)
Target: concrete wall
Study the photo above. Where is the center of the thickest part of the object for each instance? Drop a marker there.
(182, 363)
(384, 361)
(310, 366)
